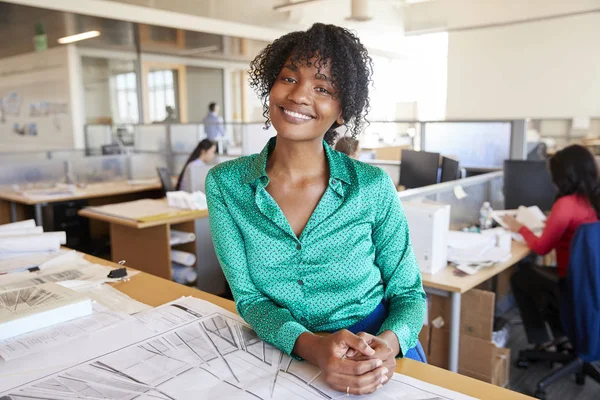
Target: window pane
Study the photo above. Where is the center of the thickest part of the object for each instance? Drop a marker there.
(122, 107)
(152, 107)
(168, 78)
(160, 105)
(132, 106)
(170, 97)
(159, 79)
(131, 83)
(151, 80)
(120, 81)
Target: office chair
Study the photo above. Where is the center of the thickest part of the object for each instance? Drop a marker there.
(580, 314)
(165, 179)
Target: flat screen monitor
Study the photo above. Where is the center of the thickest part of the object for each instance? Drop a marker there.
(418, 168)
(449, 170)
(528, 183)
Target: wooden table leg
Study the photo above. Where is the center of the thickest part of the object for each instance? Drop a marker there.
(147, 249)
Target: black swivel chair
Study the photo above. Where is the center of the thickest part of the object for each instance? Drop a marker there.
(580, 314)
(165, 179)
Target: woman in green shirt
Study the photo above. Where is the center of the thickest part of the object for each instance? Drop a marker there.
(309, 239)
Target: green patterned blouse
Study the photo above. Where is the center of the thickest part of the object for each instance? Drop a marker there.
(354, 252)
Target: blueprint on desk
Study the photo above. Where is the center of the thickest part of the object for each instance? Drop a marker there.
(187, 349)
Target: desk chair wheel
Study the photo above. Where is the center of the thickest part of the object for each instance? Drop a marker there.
(580, 378)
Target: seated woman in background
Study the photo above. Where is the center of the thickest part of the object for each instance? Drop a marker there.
(348, 145)
(203, 154)
(536, 289)
(309, 239)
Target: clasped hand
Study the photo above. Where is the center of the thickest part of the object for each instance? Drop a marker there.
(355, 364)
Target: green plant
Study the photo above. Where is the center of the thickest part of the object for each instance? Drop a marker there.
(39, 29)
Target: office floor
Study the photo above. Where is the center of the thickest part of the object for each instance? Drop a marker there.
(525, 380)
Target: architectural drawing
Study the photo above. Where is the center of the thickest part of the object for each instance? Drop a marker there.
(213, 356)
(18, 301)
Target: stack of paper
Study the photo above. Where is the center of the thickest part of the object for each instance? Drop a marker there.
(472, 251)
(532, 217)
(24, 245)
(27, 309)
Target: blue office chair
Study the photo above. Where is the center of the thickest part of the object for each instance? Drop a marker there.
(579, 311)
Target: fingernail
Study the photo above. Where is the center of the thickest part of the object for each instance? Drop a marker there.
(378, 387)
(384, 379)
(379, 364)
(384, 371)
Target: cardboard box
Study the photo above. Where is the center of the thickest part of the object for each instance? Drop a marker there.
(478, 357)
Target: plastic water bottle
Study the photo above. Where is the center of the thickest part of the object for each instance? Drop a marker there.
(485, 216)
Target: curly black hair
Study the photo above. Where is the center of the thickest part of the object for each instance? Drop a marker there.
(350, 65)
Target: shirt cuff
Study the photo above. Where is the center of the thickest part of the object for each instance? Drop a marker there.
(287, 335)
(404, 336)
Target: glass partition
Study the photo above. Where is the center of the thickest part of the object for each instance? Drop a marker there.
(473, 144)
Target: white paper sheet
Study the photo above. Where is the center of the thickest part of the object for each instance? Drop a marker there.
(180, 237)
(189, 349)
(36, 243)
(21, 232)
(15, 262)
(183, 258)
(30, 223)
(59, 334)
(107, 296)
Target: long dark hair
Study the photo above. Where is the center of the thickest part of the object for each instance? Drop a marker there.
(574, 171)
(202, 147)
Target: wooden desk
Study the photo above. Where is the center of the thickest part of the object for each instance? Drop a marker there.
(91, 191)
(445, 284)
(146, 245)
(155, 291)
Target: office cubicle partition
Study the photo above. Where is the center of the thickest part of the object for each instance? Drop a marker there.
(464, 210)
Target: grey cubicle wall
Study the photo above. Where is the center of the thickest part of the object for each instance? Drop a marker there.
(487, 187)
(33, 172)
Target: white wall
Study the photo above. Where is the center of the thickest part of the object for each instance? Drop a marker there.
(36, 78)
(204, 86)
(540, 69)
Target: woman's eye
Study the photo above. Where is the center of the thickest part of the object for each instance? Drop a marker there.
(323, 90)
(289, 80)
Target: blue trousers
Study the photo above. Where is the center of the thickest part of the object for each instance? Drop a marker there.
(373, 322)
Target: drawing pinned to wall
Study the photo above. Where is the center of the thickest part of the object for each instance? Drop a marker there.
(10, 105)
(46, 108)
(26, 129)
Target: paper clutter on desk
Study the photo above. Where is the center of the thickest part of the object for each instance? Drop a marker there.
(187, 201)
(471, 251)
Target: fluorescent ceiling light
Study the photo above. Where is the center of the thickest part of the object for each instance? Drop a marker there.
(78, 37)
(291, 6)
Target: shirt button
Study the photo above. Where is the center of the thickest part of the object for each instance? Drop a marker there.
(299, 247)
(300, 282)
(334, 182)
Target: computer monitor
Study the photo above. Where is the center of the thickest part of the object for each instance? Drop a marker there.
(418, 168)
(449, 170)
(528, 183)
(111, 149)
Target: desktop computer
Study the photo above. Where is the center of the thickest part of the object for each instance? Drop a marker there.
(418, 168)
(450, 170)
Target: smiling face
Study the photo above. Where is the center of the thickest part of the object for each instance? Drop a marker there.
(302, 101)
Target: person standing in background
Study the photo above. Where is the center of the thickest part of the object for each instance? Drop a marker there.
(213, 126)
